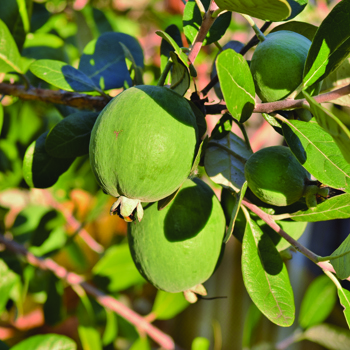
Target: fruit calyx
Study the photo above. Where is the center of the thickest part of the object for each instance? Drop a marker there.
(125, 207)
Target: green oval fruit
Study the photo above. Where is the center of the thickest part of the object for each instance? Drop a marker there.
(277, 64)
(275, 176)
(177, 248)
(142, 146)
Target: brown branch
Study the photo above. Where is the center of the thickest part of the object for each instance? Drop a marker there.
(105, 300)
(72, 99)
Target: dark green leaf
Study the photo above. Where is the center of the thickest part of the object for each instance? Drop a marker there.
(273, 10)
(47, 342)
(165, 48)
(8, 280)
(40, 16)
(71, 136)
(101, 21)
(297, 6)
(236, 83)
(317, 152)
(53, 304)
(222, 128)
(4, 346)
(41, 170)
(180, 77)
(344, 296)
(225, 160)
(318, 302)
(1, 117)
(192, 21)
(103, 60)
(306, 29)
(116, 269)
(342, 265)
(10, 59)
(329, 122)
(330, 45)
(265, 276)
(62, 75)
(14, 13)
(168, 305)
(329, 336)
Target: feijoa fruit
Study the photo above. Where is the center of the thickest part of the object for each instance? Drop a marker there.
(277, 64)
(142, 146)
(177, 248)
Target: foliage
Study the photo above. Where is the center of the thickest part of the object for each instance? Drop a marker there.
(67, 278)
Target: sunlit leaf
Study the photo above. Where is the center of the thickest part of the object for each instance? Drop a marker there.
(47, 342)
(344, 296)
(342, 264)
(236, 83)
(180, 77)
(168, 305)
(318, 153)
(200, 343)
(165, 47)
(330, 45)
(8, 279)
(273, 10)
(265, 276)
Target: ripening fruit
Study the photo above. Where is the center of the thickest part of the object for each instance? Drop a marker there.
(275, 176)
(277, 64)
(178, 247)
(142, 146)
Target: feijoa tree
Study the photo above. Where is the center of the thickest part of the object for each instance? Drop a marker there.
(91, 123)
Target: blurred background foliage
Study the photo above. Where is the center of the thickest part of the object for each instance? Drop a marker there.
(70, 222)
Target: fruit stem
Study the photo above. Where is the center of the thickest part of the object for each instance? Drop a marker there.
(165, 72)
(256, 29)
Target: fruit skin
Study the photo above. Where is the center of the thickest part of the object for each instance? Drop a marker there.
(277, 64)
(178, 247)
(275, 176)
(143, 145)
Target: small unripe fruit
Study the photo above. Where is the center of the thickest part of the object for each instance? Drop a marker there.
(178, 247)
(277, 64)
(275, 176)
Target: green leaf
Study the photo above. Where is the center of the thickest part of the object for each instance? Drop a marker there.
(330, 46)
(344, 296)
(329, 336)
(192, 20)
(236, 83)
(14, 13)
(306, 29)
(1, 117)
(200, 343)
(297, 6)
(116, 269)
(329, 122)
(225, 159)
(180, 77)
(318, 302)
(4, 346)
(337, 79)
(47, 342)
(62, 75)
(10, 59)
(265, 276)
(317, 152)
(8, 279)
(337, 207)
(41, 170)
(168, 305)
(53, 304)
(273, 10)
(165, 47)
(342, 265)
(182, 56)
(71, 136)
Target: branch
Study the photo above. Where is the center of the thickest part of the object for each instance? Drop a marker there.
(105, 300)
(72, 99)
(299, 247)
